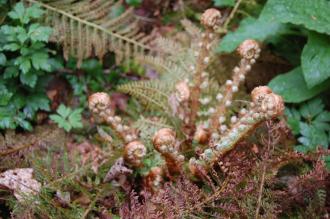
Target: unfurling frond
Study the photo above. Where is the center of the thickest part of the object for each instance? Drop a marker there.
(86, 28)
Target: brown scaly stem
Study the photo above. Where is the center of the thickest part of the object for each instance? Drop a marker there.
(134, 150)
(99, 105)
(210, 19)
(266, 105)
(164, 142)
(249, 50)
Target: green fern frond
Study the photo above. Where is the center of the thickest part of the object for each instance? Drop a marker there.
(169, 46)
(158, 63)
(86, 28)
(149, 126)
(191, 28)
(153, 94)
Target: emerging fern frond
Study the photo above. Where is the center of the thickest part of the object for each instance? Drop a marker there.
(86, 28)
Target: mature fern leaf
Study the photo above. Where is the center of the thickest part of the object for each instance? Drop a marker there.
(86, 28)
(191, 28)
(153, 94)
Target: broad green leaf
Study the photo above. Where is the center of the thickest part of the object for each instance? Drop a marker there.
(292, 87)
(315, 59)
(313, 14)
(63, 111)
(29, 79)
(221, 3)
(250, 28)
(3, 59)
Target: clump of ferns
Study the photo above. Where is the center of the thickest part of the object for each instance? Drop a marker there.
(197, 132)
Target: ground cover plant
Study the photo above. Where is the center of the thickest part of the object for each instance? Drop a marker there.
(164, 109)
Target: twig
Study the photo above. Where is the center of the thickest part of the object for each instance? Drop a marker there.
(224, 29)
(92, 204)
(14, 150)
(231, 15)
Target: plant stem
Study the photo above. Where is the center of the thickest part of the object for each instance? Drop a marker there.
(260, 191)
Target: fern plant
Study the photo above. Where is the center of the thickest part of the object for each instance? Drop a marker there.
(193, 153)
(85, 29)
(197, 129)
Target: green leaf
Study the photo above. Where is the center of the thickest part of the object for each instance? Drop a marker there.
(38, 101)
(323, 117)
(21, 34)
(24, 124)
(5, 96)
(61, 122)
(313, 14)
(12, 47)
(311, 108)
(250, 28)
(92, 66)
(323, 126)
(39, 33)
(7, 123)
(34, 11)
(221, 3)
(29, 79)
(292, 86)
(3, 59)
(55, 64)
(10, 72)
(75, 119)
(17, 12)
(23, 63)
(40, 61)
(315, 59)
(63, 111)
